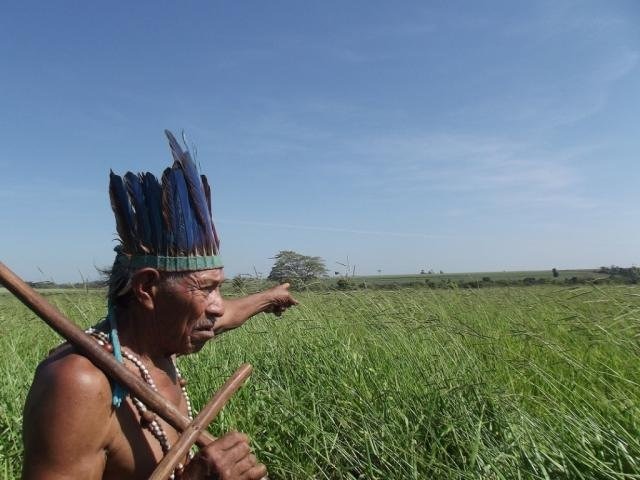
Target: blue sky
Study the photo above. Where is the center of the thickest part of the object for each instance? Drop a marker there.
(462, 136)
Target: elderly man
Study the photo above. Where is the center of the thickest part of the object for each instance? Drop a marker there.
(164, 300)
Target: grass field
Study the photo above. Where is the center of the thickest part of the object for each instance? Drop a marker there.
(500, 383)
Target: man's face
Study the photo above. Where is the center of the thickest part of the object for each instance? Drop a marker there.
(188, 308)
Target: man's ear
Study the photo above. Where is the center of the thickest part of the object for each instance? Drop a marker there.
(144, 284)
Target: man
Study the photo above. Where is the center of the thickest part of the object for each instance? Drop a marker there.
(164, 300)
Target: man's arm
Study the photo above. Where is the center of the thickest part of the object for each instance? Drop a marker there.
(238, 310)
(66, 425)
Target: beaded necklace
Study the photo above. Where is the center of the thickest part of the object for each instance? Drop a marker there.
(148, 419)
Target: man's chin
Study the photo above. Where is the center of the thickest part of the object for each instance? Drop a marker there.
(199, 339)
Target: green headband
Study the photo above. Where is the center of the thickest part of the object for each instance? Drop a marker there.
(170, 264)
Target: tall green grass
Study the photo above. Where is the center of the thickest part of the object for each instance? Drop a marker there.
(509, 383)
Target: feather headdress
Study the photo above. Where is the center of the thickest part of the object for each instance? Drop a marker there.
(165, 224)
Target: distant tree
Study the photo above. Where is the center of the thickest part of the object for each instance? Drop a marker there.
(44, 284)
(627, 275)
(344, 284)
(294, 267)
(422, 272)
(555, 273)
(441, 272)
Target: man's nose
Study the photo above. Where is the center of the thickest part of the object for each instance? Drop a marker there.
(215, 307)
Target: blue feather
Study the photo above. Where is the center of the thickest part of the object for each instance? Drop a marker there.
(122, 210)
(207, 194)
(176, 150)
(207, 191)
(183, 209)
(134, 186)
(197, 196)
(168, 212)
(153, 201)
(195, 187)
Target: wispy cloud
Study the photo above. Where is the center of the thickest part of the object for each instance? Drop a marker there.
(617, 66)
(293, 226)
(419, 26)
(451, 163)
(569, 92)
(553, 18)
(38, 190)
(557, 99)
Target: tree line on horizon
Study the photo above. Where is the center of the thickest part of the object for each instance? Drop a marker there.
(307, 272)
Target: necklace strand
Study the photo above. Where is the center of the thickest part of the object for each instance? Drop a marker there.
(148, 419)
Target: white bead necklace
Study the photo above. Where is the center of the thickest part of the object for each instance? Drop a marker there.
(148, 419)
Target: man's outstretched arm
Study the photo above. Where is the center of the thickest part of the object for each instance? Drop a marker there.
(238, 310)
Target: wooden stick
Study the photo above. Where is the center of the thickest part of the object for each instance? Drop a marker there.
(204, 418)
(102, 359)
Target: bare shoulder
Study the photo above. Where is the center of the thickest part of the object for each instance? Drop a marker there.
(67, 376)
(67, 417)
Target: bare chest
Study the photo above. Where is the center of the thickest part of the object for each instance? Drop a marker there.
(134, 450)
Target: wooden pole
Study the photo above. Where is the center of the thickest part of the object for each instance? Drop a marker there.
(204, 418)
(102, 359)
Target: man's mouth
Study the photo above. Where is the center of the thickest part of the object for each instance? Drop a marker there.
(201, 336)
(203, 332)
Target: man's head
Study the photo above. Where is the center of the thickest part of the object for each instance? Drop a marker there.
(181, 309)
(168, 253)
(165, 225)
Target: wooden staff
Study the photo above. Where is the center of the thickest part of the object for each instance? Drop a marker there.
(98, 355)
(206, 415)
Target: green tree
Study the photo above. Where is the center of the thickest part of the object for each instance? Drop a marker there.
(294, 267)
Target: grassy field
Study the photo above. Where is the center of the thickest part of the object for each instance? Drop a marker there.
(499, 383)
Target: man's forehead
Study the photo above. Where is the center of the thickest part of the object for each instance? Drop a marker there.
(205, 277)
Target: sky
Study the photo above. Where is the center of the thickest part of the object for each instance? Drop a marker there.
(454, 136)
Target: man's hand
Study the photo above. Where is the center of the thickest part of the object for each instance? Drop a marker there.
(279, 299)
(228, 458)
(238, 310)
